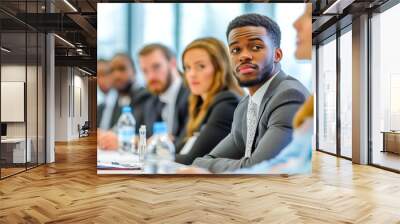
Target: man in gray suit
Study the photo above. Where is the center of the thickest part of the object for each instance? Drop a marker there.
(262, 123)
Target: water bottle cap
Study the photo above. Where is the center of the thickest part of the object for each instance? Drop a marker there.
(160, 128)
(126, 109)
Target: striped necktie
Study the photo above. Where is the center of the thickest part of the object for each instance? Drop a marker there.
(251, 126)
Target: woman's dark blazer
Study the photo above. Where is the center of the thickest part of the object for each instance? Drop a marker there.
(215, 127)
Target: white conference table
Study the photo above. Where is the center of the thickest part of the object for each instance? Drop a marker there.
(19, 153)
(114, 162)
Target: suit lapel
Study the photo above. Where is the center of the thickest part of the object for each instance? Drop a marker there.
(267, 96)
(177, 107)
(116, 113)
(244, 119)
(270, 92)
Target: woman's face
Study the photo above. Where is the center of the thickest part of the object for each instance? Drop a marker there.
(303, 27)
(199, 71)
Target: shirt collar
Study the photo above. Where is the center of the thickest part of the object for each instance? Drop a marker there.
(100, 96)
(170, 94)
(259, 94)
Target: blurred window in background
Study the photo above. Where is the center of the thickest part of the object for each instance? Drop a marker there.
(112, 30)
(128, 27)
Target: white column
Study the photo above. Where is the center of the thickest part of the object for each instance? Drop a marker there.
(50, 98)
(360, 90)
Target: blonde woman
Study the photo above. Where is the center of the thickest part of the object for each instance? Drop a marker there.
(214, 96)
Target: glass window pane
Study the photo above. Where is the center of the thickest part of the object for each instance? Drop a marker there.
(162, 17)
(385, 86)
(327, 97)
(22, 89)
(13, 86)
(208, 19)
(346, 94)
(172, 25)
(111, 29)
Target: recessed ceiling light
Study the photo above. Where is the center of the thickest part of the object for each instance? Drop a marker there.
(337, 7)
(70, 5)
(64, 40)
(84, 71)
(5, 50)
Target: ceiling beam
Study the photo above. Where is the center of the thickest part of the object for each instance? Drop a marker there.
(84, 24)
(337, 7)
(81, 61)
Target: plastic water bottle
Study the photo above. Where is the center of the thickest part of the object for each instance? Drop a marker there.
(142, 143)
(126, 130)
(160, 152)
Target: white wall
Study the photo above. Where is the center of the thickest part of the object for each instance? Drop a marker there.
(13, 73)
(61, 103)
(81, 100)
(71, 93)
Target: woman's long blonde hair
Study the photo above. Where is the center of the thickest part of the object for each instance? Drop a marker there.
(223, 79)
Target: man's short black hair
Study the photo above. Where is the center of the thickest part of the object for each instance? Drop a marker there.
(127, 57)
(254, 19)
(102, 60)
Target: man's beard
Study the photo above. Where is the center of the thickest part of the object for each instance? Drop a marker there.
(126, 88)
(266, 74)
(165, 87)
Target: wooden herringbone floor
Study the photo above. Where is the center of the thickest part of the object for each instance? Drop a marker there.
(69, 191)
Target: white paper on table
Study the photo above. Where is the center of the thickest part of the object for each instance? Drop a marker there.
(112, 157)
(189, 144)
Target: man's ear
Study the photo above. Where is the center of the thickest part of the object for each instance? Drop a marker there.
(278, 55)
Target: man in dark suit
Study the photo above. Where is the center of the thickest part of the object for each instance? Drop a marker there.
(128, 93)
(169, 102)
(262, 123)
(104, 81)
